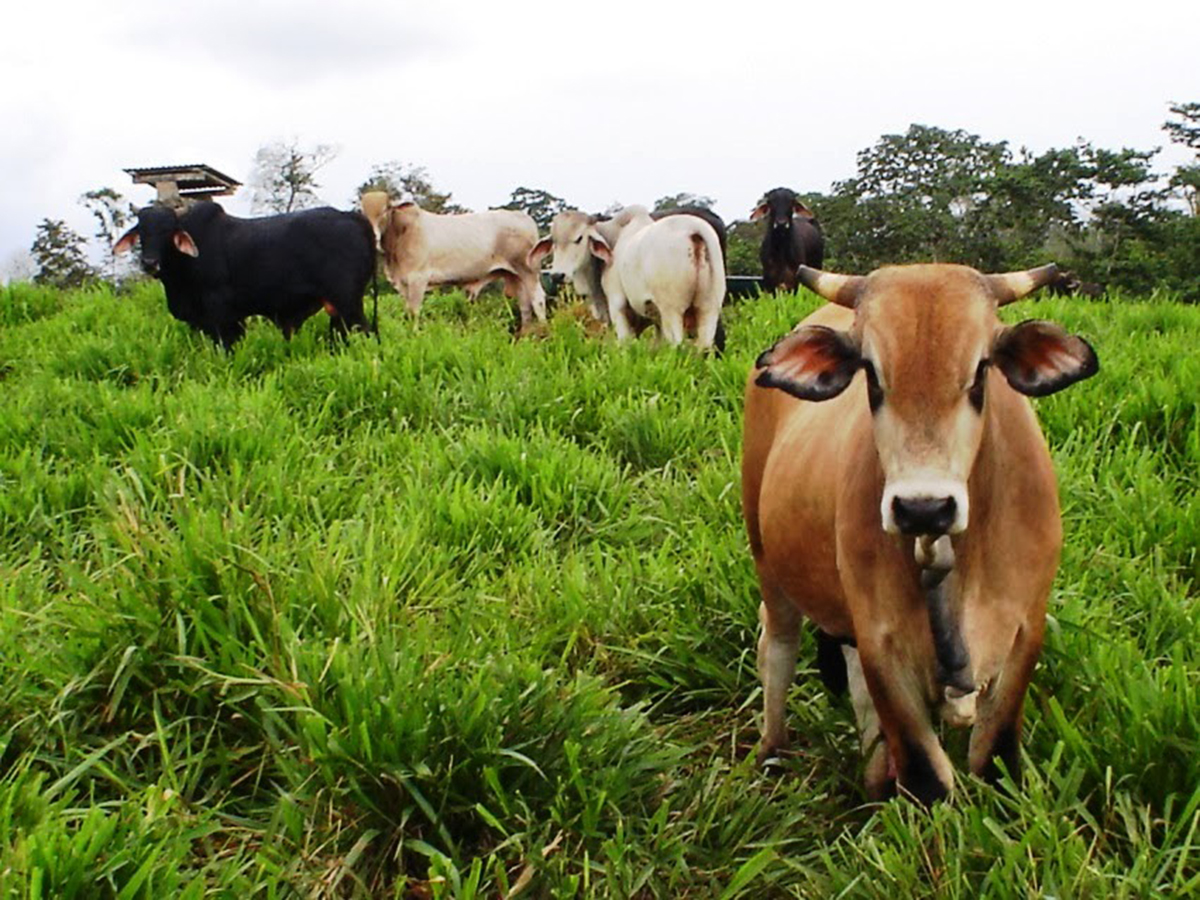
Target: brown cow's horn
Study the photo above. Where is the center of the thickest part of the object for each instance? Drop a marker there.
(843, 290)
(1012, 286)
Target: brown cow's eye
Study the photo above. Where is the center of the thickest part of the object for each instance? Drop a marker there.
(979, 385)
(874, 391)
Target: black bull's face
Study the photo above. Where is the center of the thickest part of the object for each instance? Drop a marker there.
(154, 234)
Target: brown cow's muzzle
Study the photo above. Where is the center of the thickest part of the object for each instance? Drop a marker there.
(924, 515)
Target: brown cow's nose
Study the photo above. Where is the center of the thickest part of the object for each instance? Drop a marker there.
(924, 515)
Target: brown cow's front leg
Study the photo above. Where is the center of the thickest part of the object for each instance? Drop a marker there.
(778, 646)
(879, 780)
(997, 730)
(922, 767)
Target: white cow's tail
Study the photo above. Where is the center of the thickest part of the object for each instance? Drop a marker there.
(709, 293)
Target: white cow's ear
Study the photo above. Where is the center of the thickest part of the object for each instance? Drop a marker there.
(1040, 358)
(758, 212)
(540, 251)
(126, 241)
(184, 244)
(600, 249)
(811, 363)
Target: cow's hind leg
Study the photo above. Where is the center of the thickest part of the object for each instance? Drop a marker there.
(475, 288)
(997, 729)
(708, 322)
(671, 325)
(350, 313)
(778, 646)
(225, 333)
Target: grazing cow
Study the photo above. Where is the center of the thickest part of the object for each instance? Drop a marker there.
(573, 259)
(218, 270)
(674, 265)
(910, 511)
(793, 239)
(469, 250)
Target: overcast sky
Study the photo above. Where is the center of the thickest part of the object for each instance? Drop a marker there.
(619, 100)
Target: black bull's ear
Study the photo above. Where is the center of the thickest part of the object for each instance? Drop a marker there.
(1040, 358)
(126, 241)
(811, 363)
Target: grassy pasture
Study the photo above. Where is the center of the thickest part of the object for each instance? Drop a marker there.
(453, 616)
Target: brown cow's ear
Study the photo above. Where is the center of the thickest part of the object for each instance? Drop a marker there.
(758, 212)
(600, 249)
(540, 251)
(125, 242)
(803, 211)
(184, 244)
(812, 363)
(1040, 358)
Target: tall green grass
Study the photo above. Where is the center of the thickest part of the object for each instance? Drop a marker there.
(456, 616)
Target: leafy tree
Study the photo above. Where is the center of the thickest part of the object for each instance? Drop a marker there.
(285, 176)
(403, 181)
(1187, 133)
(59, 254)
(112, 215)
(743, 239)
(681, 200)
(913, 198)
(542, 206)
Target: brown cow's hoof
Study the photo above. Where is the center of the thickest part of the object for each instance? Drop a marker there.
(772, 760)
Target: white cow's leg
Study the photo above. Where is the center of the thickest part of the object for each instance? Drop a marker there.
(778, 646)
(616, 313)
(874, 747)
(706, 326)
(671, 324)
(475, 288)
(539, 297)
(414, 293)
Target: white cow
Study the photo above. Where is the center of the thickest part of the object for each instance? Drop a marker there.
(470, 250)
(673, 264)
(573, 259)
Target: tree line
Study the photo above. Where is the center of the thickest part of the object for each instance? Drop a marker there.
(929, 194)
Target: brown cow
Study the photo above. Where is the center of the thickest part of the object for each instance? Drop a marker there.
(853, 484)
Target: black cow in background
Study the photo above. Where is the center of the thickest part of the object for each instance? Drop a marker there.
(793, 239)
(218, 270)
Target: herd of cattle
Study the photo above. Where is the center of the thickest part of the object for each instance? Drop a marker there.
(218, 270)
(896, 487)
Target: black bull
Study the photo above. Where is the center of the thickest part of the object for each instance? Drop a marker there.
(218, 270)
(793, 239)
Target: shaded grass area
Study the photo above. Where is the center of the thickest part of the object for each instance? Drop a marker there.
(453, 616)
